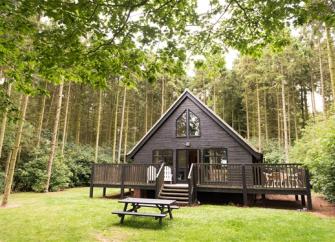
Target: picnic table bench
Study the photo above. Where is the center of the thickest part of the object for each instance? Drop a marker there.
(165, 207)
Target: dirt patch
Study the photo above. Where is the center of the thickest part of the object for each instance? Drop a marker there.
(112, 235)
(10, 206)
(321, 207)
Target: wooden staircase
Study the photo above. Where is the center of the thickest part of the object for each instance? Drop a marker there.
(178, 192)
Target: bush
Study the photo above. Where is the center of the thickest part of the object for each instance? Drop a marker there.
(316, 149)
(32, 175)
(273, 153)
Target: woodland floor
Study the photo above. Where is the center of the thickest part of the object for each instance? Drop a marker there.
(71, 216)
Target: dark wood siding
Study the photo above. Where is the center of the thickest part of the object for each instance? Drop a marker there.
(212, 135)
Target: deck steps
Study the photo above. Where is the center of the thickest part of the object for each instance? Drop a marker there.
(178, 192)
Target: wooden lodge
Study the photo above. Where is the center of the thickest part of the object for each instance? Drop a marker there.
(190, 150)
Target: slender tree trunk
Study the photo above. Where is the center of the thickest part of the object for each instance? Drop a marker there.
(126, 135)
(54, 136)
(64, 138)
(15, 150)
(115, 124)
(40, 121)
(214, 98)
(295, 119)
(98, 127)
(146, 111)
(151, 110)
(7, 164)
(284, 119)
(259, 119)
(322, 85)
(4, 121)
(278, 119)
(312, 94)
(288, 119)
(50, 107)
(135, 125)
(122, 123)
(247, 114)
(330, 51)
(266, 118)
(163, 97)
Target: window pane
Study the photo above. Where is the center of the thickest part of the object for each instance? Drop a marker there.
(181, 125)
(215, 156)
(194, 124)
(165, 156)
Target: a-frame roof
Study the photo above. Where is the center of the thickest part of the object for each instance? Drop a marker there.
(187, 94)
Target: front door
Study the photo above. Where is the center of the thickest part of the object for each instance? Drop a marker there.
(184, 160)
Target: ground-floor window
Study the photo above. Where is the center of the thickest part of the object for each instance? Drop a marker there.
(165, 156)
(215, 156)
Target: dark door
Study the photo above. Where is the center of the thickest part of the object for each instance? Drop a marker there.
(184, 160)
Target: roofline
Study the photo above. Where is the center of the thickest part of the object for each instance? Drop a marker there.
(233, 133)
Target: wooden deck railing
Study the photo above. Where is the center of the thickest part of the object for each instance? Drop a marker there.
(160, 180)
(271, 176)
(192, 178)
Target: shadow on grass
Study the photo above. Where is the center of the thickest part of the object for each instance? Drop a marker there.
(137, 223)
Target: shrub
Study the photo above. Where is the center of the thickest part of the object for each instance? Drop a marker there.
(316, 149)
(273, 153)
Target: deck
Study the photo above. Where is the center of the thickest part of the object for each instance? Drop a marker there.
(202, 177)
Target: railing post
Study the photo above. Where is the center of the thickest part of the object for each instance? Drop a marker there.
(122, 181)
(244, 187)
(91, 183)
(157, 184)
(308, 188)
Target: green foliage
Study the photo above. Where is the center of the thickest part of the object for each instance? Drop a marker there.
(2, 181)
(316, 149)
(273, 153)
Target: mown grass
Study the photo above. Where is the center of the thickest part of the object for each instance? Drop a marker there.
(72, 216)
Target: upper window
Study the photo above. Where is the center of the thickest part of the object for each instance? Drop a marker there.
(216, 156)
(165, 156)
(194, 124)
(181, 125)
(188, 124)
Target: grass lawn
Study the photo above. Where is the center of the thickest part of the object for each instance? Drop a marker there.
(72, 216)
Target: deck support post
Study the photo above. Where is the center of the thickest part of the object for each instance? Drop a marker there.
(308, 188)
(104, 192)
(122, 182)
(303, 202)
(91, 182)
(244, 187)
(296, 197)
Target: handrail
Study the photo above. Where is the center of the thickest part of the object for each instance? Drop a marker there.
(160, 170)
(190, 172)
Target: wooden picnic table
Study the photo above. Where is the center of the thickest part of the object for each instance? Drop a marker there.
(164, 206)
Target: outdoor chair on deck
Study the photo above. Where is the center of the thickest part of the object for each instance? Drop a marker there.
(167, 174)
(151, 174)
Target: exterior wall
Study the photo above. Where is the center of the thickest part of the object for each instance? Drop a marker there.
(211, 136)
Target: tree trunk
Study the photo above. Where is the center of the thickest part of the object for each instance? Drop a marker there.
(278, 119)
(115, 123)
(146, 111)
(64, 138)
(7, 164)
(98, 127)
(4, 121)
(122, 123)
(40, 121)
(126, 136)
(214, 98)
(312, 93)
(78, 116)
(266, 118)
(259, 120)
(54, 136)
(330, 51)
(163, 97)
(247, 114)
(322, 85)
(284, 119)
(15, 150)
